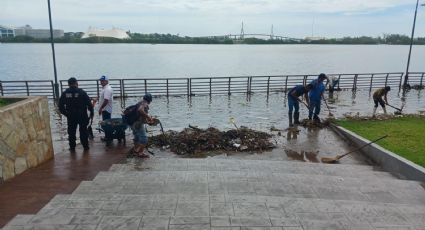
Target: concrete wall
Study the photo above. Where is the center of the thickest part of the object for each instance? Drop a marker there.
(25, 135)
(388, 160)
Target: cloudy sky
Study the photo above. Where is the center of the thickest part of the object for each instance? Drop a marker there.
(293, 18)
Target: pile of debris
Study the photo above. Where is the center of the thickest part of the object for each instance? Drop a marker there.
(311, 124)
(418, 87)
(193, 140)
(378, 117)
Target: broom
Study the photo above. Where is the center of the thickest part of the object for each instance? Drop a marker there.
(331, 160)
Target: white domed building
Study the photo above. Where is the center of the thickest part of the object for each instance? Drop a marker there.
(112, 33)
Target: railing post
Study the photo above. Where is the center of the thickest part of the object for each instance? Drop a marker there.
(386, 79)
(123, 89)
(371, 80)
(247, 86)
(210, 86)
(121, 94)
(228, 87)
(305, 80)
(1, 88)
(250, 85)
(422, 78)
(167, 86)
(268, 85)
(97, 89)
(146, 86)
(53, 89)
(401, 80)
(355, 83)
(26, 85)
(188, 86)
(286, 83)
(339, 80)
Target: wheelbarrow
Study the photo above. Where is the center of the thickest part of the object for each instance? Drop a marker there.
(113, 128)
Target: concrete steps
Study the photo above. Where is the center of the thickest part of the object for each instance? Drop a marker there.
(221, 194)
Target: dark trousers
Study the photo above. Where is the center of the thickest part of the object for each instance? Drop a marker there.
(314, 108)
(380, 101)
(106, 115)
(293, 103)
(72, 129)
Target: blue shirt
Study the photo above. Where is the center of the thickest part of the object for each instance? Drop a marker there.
(299, 90)
(316, 91)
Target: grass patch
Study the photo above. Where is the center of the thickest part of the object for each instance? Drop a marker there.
(406, 135)
(3, 102)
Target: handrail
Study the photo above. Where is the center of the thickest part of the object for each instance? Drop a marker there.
(135, 87)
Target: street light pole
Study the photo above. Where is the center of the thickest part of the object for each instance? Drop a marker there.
(56, 89)
(406, 75)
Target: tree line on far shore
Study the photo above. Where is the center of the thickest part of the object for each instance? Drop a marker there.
(389, 39)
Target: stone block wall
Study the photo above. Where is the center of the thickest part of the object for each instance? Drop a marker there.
(25, 135)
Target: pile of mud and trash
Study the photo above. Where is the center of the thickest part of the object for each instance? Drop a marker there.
(194, 140)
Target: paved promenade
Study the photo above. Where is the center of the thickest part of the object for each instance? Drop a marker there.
(226, 194)
(29, 192)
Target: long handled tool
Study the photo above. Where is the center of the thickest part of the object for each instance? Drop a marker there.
(327, 106)
(308, 107)
(331, 160)
(90, 130)
(394, 107)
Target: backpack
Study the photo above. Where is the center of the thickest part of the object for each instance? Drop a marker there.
(130, 114)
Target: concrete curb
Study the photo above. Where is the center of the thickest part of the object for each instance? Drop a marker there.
(388, 160)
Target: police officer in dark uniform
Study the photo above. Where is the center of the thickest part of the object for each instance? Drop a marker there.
(74, 103)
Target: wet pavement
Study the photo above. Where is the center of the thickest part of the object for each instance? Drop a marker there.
(224, 194)
(30, 191)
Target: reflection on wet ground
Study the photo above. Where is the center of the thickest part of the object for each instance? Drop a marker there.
(261, 112)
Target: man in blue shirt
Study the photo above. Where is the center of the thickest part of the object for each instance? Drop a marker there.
(315, 96)
(294, 101)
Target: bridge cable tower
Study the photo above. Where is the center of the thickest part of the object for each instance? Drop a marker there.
(242, 33)
(271, 34)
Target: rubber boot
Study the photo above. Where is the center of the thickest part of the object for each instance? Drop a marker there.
(316, 118)
(374, 111)
(290, 120)
(385, 110)
(297, 118)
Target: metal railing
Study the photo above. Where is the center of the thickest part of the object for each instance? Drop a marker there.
(27, 88)
(210, 85)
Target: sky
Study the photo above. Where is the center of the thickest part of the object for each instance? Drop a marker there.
(291, 18)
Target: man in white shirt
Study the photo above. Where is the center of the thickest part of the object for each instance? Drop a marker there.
(106, 97)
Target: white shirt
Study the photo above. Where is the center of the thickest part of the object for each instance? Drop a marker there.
(107, 93)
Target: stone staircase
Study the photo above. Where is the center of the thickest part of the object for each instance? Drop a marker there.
(226, 194)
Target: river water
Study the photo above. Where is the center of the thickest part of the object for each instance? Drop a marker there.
(34, 61)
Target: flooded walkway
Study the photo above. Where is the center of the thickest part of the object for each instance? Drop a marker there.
(29, 192)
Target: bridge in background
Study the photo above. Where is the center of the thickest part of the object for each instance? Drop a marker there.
(242, 35)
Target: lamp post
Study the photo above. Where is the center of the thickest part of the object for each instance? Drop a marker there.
(406, 75)
(56, 87)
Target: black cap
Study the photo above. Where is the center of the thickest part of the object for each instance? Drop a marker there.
(148, 97)
(322, 76)
(72, 81)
